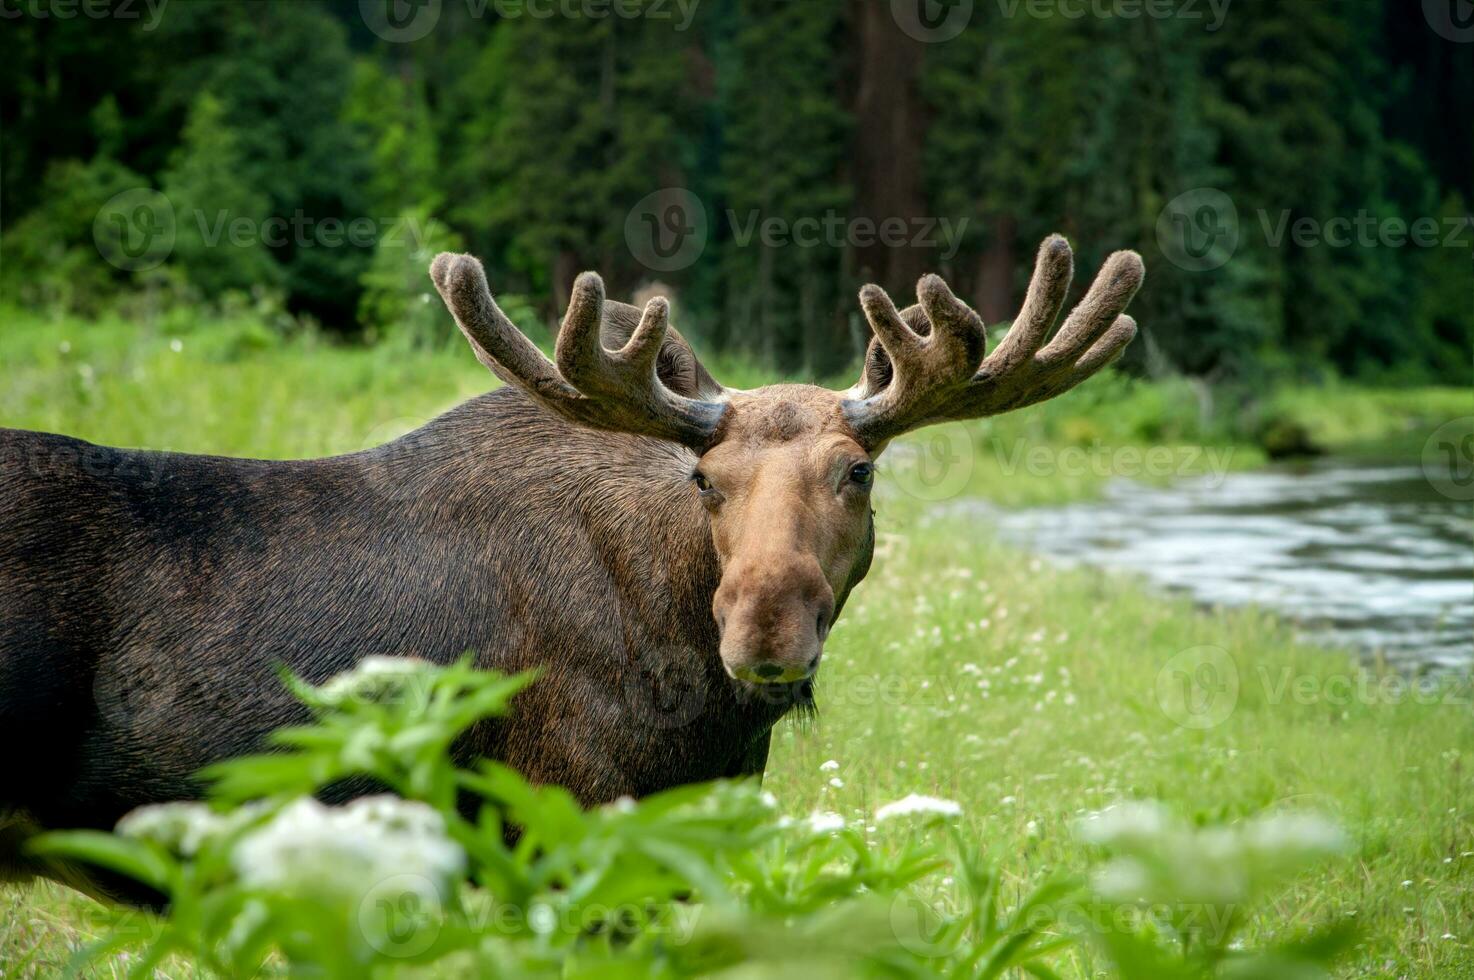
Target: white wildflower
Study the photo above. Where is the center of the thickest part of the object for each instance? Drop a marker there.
(373, 679)
(825, 823)
(183, 828)
(829, 766)
(914, 804)
(350, 849)
(1126, 823)
(1299, 836)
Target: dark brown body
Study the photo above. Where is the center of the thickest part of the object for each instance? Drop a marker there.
(148, 600)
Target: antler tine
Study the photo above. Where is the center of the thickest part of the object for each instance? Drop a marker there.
(1114, 285)
(642, 350)
(1054, 268)
(616, 391)
(498, 343)
(957, 333)
(901, 343)
(578, 350)
(584, 360)
(937, 377)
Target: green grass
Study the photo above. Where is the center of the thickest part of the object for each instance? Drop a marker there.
(962, 669)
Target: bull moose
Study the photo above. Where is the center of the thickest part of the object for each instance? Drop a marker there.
(620, 521)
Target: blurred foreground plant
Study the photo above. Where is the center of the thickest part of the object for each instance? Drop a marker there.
(478, 872)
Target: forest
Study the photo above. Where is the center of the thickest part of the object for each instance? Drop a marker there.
(1298, 175)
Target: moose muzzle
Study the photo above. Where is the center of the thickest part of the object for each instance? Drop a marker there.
(773, 620)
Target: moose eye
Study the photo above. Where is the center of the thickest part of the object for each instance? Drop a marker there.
(702, 483)
(861, 474)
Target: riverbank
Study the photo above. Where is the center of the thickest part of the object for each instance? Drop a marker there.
(961, 668)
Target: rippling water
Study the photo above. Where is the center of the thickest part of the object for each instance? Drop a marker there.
(1368, 556)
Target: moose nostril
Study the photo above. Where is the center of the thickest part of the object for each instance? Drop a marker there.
(819, 625)
(768, 671)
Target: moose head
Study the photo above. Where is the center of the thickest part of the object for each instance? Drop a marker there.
(784, 472)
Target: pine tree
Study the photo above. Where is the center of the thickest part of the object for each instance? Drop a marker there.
(218, 214)
(572, 124)
(283, 80)
(786, 297)
(391, 121)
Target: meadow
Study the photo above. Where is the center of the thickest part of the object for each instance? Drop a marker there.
(1030, 695)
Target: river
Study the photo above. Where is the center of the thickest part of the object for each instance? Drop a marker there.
(1363, 555)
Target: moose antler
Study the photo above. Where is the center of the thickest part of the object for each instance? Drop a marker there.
(933, 349)
(617, 391)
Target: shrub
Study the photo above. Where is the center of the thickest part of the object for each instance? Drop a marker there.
(265, 878)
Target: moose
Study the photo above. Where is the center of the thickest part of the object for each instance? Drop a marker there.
(617, 519)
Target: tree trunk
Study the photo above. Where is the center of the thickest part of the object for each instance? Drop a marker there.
(993, 293)
(890, 131)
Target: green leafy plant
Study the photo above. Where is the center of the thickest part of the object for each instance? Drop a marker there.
(471, 870)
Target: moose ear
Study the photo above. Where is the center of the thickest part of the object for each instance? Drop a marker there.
(676, 365)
